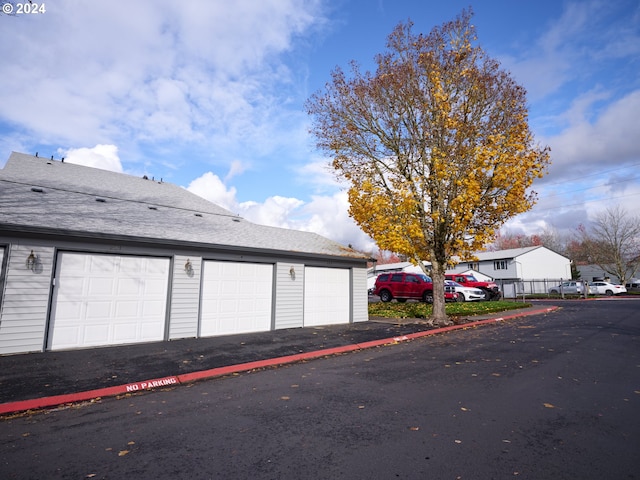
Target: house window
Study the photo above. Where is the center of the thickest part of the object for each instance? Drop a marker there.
(500, 265)
(474, 266)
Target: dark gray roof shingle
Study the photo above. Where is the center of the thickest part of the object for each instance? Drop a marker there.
(82, 201)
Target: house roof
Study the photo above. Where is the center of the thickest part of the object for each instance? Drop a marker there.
(39, 195)
(504, 254)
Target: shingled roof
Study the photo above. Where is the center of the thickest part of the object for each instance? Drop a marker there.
(38, 195)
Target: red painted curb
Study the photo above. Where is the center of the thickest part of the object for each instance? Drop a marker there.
(44, 402)
(85, 396)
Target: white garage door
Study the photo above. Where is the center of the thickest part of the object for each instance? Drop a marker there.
(326, 296)
(236, 298)
(108, 300)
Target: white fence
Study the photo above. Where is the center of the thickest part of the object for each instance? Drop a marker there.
(518, 288)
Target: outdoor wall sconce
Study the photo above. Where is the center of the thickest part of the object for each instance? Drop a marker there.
(292, 273)
(188, 267)
(31, 261)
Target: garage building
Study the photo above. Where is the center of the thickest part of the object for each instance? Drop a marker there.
(91, 258)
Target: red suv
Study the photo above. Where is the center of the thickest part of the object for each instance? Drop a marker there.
(403, 286)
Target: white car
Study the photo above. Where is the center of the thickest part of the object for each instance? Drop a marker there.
(468, 293)
(606, 288)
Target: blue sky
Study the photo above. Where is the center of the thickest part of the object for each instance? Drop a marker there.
(210, 95)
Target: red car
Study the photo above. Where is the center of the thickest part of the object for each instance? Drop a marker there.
(492, 292)
(403, 286)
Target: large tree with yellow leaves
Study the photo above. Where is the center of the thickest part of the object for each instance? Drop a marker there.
(435, 146)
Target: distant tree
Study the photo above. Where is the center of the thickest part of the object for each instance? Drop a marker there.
(548, 238)
(575, 273)
(507, 241)
(435, 145)
(613, 242)
(553, 240)
(575, 250)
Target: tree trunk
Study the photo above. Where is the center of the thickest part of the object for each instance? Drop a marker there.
(439, 315)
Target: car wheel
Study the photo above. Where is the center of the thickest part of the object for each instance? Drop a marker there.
(385, 296)
(553, 292)
(426, 298)
(608, 293)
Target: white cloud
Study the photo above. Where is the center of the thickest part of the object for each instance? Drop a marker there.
(325, 215)
(328, 216)
(163, 71)
(275, 211)
(320, 174)
(210, 187)
(101, 156)
(608, 142)
(237, 167)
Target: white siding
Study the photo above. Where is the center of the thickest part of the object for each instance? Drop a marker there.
(25, 300)
(326, 296)
(289, 295)
(185, 298)
(544, 263)
(512, 271)
(360, 300)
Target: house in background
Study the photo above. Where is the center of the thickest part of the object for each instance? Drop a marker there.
(592, 273)
(520, 270)
(528, 263)
(91, 258)
(514, 264)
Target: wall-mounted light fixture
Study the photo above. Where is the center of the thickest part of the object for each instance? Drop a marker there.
(31, 261)
(188, 267)
(292, 273)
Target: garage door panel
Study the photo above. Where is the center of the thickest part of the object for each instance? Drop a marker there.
(133, 266)
(127, 309)
(153, 309)
(95, 311)
(236, 298)
(68, 335)
(108, 300)
(97, 286)
(92, 334)
(327, 296)
(100, 265)
(124, 332)
(151, 287)
(129, 286)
